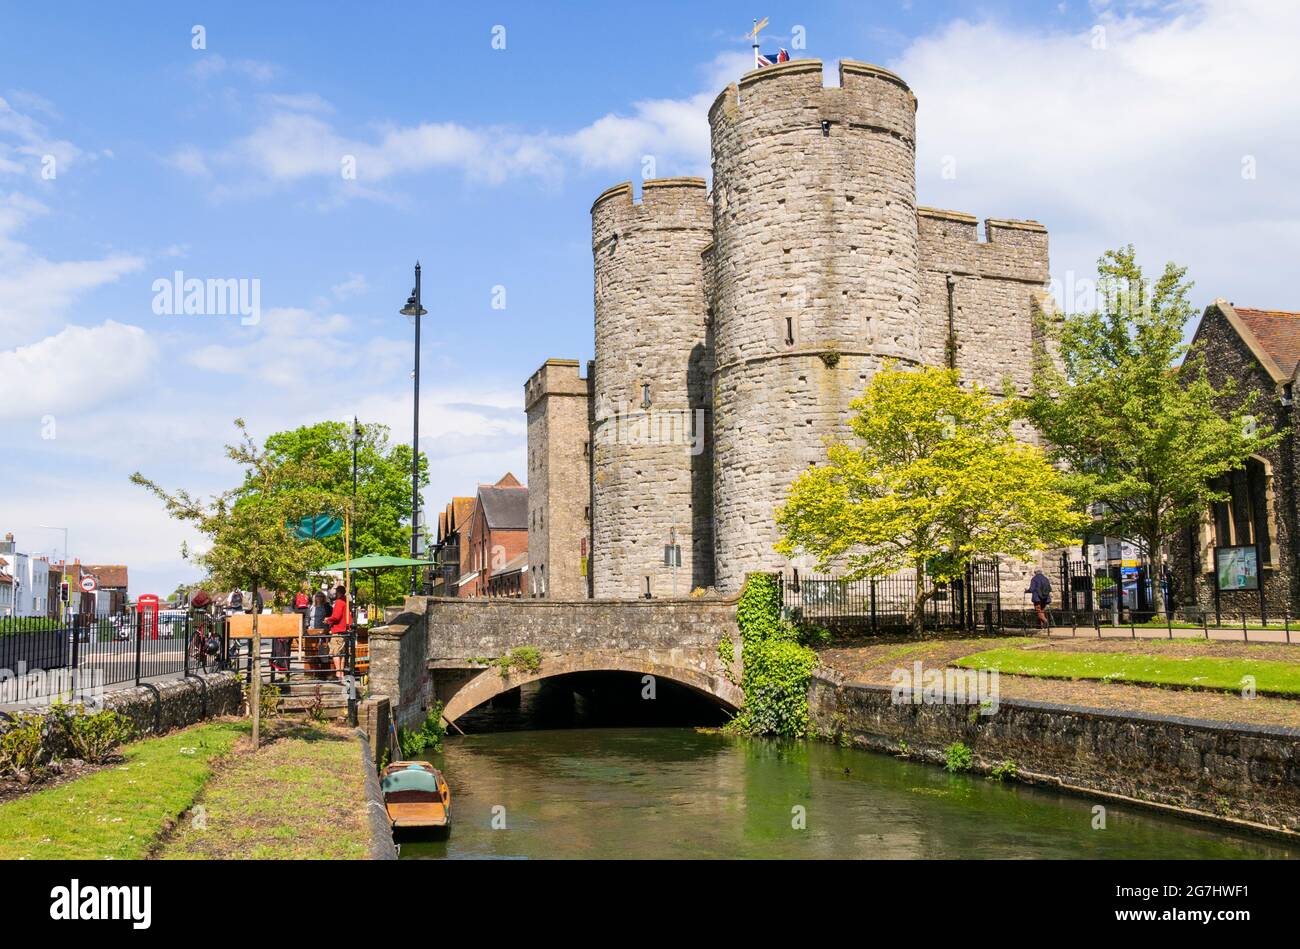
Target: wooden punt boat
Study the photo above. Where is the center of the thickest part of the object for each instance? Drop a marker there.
(416, 796)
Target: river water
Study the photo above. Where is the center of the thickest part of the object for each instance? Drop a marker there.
(682, 792)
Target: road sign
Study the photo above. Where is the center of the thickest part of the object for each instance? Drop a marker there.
(89, 584)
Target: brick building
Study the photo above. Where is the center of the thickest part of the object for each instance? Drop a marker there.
(452, 522)
(495, 535)
(1260, 349)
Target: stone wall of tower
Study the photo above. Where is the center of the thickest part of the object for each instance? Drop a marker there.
(814, 283)
(557, 402)
(981, 302)
(651, 468)
(995, 284)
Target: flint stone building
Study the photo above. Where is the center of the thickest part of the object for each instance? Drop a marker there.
(733, 328)
(1260, 349)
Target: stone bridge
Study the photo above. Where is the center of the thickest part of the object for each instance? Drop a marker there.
(440, 649)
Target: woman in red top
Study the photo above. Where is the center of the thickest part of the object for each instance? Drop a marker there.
(337, 623)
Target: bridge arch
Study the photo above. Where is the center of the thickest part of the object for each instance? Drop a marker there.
(489, 683)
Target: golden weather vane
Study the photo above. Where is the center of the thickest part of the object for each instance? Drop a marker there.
(753, 34)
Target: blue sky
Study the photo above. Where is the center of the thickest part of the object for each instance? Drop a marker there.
(1108, 122)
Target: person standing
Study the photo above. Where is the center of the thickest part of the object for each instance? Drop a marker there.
(320, 611)
(1040, 594)
(339, 620)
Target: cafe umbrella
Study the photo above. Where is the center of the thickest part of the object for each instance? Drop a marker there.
(374, 563)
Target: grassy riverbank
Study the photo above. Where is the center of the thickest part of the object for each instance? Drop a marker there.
(202, 793)
(1216, 673)
(301, 796)
(120, 811)
(876, 660)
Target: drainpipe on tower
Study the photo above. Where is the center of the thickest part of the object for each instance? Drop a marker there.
(951, 282)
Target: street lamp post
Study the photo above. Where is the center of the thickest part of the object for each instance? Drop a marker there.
(356, 437)
(414, 310)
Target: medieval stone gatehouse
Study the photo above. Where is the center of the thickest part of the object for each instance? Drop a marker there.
(733, 328)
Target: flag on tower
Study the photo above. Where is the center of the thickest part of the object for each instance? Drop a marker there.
(769, 59)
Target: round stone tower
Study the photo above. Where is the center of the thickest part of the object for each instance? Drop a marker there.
(815, 279)
(651, 458)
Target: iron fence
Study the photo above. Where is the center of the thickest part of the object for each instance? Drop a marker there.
(108, 649)
(1101, 601)
(887, 604)
(315, 671)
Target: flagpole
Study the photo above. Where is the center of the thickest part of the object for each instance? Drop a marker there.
(755, 35)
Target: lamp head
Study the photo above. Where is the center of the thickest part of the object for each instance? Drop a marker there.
(412, 308)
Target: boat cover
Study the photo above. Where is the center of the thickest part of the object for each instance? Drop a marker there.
(410, 779)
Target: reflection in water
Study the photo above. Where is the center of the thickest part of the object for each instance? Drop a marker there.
(661, 792)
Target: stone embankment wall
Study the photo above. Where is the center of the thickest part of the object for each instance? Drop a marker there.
(159, 708)
(1230, 772)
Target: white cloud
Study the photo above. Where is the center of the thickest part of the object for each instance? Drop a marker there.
(35, 292)
(72, 370)
(354, 284)
(214, 64)
(29, 142)
(1143, 140)
(299, 102)
(294, 142)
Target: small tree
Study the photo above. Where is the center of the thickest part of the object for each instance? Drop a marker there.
(251, 543)
(936, 479)
(382, 525)
(1142, 436)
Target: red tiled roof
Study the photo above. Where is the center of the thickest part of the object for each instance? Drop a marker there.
(5, 578)
(1278, 333)
(109, 576)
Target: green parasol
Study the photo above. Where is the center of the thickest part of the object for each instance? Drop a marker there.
(373, 563)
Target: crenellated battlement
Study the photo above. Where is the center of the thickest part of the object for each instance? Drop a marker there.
(792, 94)
(665, 203)
(554, 377)
(1011, 249)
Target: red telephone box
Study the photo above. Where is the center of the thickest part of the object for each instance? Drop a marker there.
(147, 607)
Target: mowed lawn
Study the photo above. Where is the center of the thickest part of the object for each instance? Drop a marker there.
(1271, 676)
(121, 811)
(301, 796)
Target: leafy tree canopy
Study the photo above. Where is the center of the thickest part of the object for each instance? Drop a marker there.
(248, 527)
(933, 479)
(382, 522)
(1142, 435)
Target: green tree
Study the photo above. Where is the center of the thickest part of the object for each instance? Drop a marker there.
(1142, 435)
(382, 524)
(935, 479)
(250, 544)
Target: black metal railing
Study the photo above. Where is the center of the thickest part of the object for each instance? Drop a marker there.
(312, 670)
(887, 604)
(1084, 601)
(105, 649)
(1173, 624)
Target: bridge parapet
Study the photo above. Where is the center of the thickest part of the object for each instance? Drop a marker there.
(433, 649)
